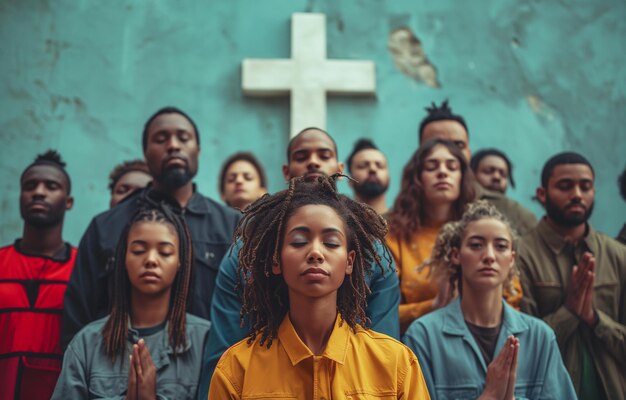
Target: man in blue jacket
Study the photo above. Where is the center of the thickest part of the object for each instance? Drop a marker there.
(311, 153)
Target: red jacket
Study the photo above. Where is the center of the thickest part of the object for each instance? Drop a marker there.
(31, 304)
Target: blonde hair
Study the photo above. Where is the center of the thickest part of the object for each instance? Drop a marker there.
(450, 237)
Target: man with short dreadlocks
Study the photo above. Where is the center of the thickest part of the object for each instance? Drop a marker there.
(304, 257)
(310, 154)
(33, 275)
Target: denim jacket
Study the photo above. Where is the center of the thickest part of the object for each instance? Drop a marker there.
(88, 373)
(454, 367)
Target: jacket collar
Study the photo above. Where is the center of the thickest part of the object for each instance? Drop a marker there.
(336, 348)
(558, 243)
(197, 204)
(454, 324)
(161, 355)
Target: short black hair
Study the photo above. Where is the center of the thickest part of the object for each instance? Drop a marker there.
(167, 110)
(566, 157)
(479, 155)
(310, 128)
(125, 167)
(622, 184)
(242, 156)
(440, 113)
(51, 158)
(360, 145)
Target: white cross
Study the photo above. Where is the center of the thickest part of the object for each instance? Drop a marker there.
(308, 75)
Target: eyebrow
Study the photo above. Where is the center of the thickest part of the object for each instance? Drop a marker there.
(307, 230)
(145, 243)
(483, 238)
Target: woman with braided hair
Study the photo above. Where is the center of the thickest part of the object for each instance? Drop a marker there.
(305, 254)
(148, 347)
(478, 346)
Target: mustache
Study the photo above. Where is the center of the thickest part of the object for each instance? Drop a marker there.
(38, 202)
(174, 157)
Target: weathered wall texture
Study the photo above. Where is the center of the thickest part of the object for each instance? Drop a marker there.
(531, 77)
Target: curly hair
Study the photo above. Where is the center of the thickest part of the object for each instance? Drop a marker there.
(262, 230)
(407, 213)
(450, 237)
(125, 167)
(115, 330)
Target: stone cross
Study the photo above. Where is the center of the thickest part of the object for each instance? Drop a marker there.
(308, 75)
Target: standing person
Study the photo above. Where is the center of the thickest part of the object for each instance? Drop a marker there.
(242, 180)
(310, 154)
(493, 170)
(127, 178)
(148, 347)
(368, 167)
(442, 123)
(304, 257)
(575, 279)
(33, 275)
(621, 236)
(478, 346)
(171, 144)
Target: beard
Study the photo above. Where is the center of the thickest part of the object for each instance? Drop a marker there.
(48, 219)
(174, 178)
(559, 215)
(370, 189)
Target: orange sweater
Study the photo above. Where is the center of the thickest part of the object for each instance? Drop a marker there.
(417, 290)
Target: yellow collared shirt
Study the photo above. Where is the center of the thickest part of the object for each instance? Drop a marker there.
(361, 365)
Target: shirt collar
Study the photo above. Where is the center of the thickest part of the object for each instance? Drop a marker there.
(196, 205)
(557, 243)
(454, 323)
(297, 351)
(62, 256)
(161, 355)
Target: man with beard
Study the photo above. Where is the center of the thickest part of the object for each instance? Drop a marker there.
(171, 145)
(310, 154)
(368, 166)
(575, 279)
(442, 123)
(33, 276)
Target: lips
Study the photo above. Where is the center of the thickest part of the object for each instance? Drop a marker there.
(150, 276)
(38, 206)
(576, 207)
(442, 185)
(174, 161)
(315, 270)
(488, 271)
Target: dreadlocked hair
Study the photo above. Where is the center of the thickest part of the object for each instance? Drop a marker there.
(450, 237)
(265, 295)
(116, 328)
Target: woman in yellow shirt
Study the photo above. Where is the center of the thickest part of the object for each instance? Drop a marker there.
(303, 262)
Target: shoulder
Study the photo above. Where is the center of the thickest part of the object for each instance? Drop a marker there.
(197, 324)
(88, 337)
(222, 211)
(611, 246)
(381, 345)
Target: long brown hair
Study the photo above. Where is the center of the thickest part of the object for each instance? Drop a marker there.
(115, 330)
(407, 213)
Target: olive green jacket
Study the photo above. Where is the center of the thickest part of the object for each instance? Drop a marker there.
(521, 219)
(545, 260)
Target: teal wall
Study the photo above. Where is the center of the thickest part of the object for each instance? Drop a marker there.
(532, 78)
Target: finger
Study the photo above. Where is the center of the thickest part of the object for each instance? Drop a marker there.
(143, 351)
(574, 279)
(131, 392)
(136, 359)
(148, 356)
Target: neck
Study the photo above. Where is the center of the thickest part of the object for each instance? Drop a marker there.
(437, 214)
(573, 234)
(379, 204)
(313, 320)
(148, 310)
(182, 194)
(42, 241)
(482, 307)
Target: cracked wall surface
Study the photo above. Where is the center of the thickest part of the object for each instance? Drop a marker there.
(531, 78)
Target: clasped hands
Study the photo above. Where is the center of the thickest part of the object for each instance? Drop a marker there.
(141, 374)
(579, 292)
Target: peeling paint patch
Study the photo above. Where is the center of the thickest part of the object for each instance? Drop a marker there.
(539, 107)
(410, 58)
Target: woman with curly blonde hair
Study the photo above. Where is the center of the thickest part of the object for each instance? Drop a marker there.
(478, 346)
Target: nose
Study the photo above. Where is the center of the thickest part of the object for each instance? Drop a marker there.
(576, 192)
(490, 254)
(313, 164)
(40, 190)
(315, 255)
(173, 144)
(238, 179)
(151, 259)
(442, 172)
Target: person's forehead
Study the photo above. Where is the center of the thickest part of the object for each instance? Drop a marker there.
(493, 160)
(44, 173)
(571, 171)
(134, 177)
(444, 130)
(170, 121)
(488, 228)
(440, 152)
(312, 140)
(369, 155)
(241, 166)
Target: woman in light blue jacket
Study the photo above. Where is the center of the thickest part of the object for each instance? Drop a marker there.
(478, 346)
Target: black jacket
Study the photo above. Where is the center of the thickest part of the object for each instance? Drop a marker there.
(211, 226)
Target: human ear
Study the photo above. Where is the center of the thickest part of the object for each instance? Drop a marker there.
(351, 257)
(454, 256)
(276, 268)
(340, 167)
(541, 195)
(286, 172)
(69, 203)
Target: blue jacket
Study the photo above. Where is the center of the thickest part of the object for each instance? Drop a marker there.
(382, 309)
(454, 367)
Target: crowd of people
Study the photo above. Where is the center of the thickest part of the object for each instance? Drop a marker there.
(455, 291)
